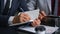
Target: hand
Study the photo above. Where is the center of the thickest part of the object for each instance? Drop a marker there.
(23, 17)
(36, 22)
(41, 15)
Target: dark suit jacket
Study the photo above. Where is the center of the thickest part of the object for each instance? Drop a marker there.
(16, 5)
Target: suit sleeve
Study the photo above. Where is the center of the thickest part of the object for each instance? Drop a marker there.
(4, 20)
(40, 4)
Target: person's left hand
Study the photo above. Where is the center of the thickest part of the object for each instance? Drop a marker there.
(42, 14)
(36, 22)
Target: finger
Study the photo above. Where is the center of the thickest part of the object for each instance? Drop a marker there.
(33, 23)
(37, 22)
(26, 19)
(23, 20)
(43, 13)
(26, 16)
(40, 16)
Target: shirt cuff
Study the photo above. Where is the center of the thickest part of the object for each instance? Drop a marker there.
(10, 20)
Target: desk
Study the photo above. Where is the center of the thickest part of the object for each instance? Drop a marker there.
(49, 30)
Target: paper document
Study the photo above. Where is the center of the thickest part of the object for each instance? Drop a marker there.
(49, 30)
(33, 14)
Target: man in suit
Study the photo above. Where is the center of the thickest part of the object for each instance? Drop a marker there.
(8, 8)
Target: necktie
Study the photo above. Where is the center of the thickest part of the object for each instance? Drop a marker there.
(6, 7)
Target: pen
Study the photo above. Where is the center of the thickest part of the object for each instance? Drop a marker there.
(22, 10)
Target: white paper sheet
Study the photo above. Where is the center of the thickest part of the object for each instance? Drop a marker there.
(49, 30)
(33, 14)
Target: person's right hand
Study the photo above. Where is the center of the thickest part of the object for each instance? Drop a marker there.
(23, 17)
